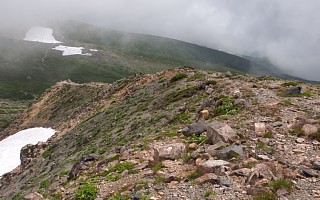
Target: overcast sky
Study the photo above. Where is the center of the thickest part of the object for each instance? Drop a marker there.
(285, 31)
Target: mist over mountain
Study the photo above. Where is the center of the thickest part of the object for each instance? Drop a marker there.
(286, 32)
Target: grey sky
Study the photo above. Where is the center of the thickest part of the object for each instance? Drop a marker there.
(286, 31)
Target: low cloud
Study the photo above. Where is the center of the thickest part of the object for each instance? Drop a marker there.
(286, 31)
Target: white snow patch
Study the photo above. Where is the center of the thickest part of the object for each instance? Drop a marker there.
(94, 50)
(11, 146)
(68, 51)
(40, 34)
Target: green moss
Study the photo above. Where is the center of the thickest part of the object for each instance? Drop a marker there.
(209, 193)
(197, 76)
(211, 82)
(178, 77)
(159, 180)
(182, 118)
(291, 83)
(264, 147)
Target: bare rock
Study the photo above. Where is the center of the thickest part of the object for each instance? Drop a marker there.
(195, 128)
(293, 90)
(230, 152)
(213, 149)
(170, 151)
(204, 114)
(225, 181)
(316, 165)
(207, 178)
(309, 129)
(218, 131)
(242, 172)
(193, 146)
(260, 128)
(34, 196)
(89, 157)
(212, 166)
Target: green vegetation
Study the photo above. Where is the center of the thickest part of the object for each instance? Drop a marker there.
(209, 193)
(159, 180)
(114, 177)
(157, 166)
(226, 106)
(281, 183)
(178, 77)
(195, 175)
(264, 147)
(268, 134)
(199, 139)
(45, 184)
(265, 196)
(88, 191)
(119, 197)
(315, 136)
(211, 82)
(182, 118)
(304, 94)
(291, 83)
(119, 168)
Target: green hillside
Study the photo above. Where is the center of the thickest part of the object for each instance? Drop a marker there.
(28, 68)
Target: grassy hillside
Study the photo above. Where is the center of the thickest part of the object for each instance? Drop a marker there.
(28, 68)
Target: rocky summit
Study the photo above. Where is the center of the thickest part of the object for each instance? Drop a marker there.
(177, 134)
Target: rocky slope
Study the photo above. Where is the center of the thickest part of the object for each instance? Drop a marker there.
(176, 134)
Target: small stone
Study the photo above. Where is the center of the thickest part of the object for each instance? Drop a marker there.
(193, 145)
(263, 157)
(309, 172)
(231, 152)
(170, 151)
(225, 181)
(34, 196)
(195, 128)
(204, 114)
(89, 157)
(207, 178)
(212, 166)
(218, 131)
(260, 128)
(300, 140)
(316, 165)
(212, 149)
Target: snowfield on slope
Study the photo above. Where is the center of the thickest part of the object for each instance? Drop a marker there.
(68, 51)
(41, 34)
(11, 146)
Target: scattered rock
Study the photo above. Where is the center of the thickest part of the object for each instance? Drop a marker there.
(212, 166)
(170, 151)
(231, 152)
(168, 177)
(218, 131)
(241, 172)
(260, 171)
(195, 128)
(89, 157)
(207, 178)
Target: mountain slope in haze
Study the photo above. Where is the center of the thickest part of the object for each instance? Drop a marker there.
(28, 68)
(112, 139)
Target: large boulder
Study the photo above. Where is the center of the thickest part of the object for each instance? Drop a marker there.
(218, 131)
(195, 128)
(293, 90)
(169, 151)
(212, 166)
